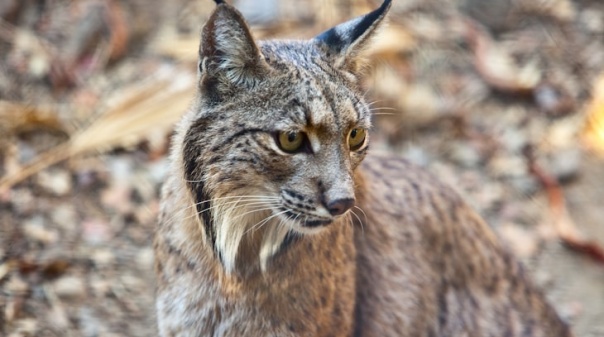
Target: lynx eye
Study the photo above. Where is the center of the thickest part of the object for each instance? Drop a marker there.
(356, 138)
(290, 141)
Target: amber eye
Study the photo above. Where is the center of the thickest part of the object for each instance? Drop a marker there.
(290, 141)
(356, 138)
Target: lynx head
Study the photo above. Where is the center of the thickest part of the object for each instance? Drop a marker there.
(276, 133)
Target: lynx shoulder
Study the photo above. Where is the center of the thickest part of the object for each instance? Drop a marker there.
(273, 222)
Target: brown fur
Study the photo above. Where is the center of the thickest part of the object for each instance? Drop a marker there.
(238, 248)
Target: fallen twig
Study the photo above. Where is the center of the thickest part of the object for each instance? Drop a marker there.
(565, 227)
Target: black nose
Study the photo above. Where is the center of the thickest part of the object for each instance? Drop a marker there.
(340, 206)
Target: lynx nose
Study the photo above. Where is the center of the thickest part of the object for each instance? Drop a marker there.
(339, 206)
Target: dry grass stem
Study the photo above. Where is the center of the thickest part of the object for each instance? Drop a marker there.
(157, 104)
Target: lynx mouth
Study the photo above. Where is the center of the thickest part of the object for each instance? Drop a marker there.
(301, 221)
(316, 223)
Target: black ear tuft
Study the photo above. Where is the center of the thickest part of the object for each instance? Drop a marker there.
(346, 40)
(218, 2)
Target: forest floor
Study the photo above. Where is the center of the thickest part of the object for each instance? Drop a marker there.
(505, 103)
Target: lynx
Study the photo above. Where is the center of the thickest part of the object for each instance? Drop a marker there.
(273, 222)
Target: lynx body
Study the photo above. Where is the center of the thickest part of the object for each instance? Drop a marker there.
(273, 222)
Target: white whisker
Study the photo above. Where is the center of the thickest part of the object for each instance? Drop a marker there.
(270, 207)
(272, 241)
(360, 209)
(261, 223)
(251, 202)
(246, 198)
(360, 222)
(382, 108)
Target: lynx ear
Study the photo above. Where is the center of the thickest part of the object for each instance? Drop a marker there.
(344, 42)
(228, 52)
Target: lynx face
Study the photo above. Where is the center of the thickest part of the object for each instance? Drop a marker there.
(277, 131)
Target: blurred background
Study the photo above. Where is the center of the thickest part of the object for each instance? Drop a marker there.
(503, 99)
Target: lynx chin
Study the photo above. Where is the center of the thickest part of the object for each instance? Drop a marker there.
(276, 220)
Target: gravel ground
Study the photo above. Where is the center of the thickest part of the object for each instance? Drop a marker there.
(497, 101)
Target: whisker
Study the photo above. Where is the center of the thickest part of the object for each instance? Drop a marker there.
(360, 209)
(364, 215)
(261, 223)
(254, 210)
(289, 218)
(258, 201)
(360, 222)
(366, 91)
(247, 198)
(241, 197)
(375, 102)
(186, 208)
(382, 108)
(248, 202)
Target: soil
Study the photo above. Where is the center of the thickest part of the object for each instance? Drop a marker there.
(504, 109)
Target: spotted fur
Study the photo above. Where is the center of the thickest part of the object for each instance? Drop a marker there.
(250, 244)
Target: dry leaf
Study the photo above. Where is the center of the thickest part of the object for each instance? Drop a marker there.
(496, 66)
(566, 228)
(15, 117)
(158, 104)
(594, 133)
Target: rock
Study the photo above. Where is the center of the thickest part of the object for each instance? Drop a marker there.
(592, 20)
(145, 258)
(69, 287)
(96, 231)
(26, 327)
(493, 14)
(131, 282)
(65, 216)
(89, 323)
(147, 213)
(422, 105)
(22, 200)
(525, 185)
(56, 181)
(553, 100)
(144, 189)
(513, 139)
(35, 229)
(464, 154)
(503, 165)
(564, 164)
(121, 170)
(57, 316)
(158, 170)
(571, 310)
(100, 286)
(103, 258)
(15, 286)
(522, 241)
(489, 194)
(26, 152)
(118, 197)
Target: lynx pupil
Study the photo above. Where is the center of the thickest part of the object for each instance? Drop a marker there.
(356, 138)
